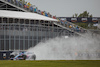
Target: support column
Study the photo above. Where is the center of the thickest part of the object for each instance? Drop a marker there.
(45, 29)
(4, 36)
(53, 29)
(32, 35)
(40, 30)
(9, 36)
(24, 37)
(29, 36)
(14, 35)
(19, 33)
(37, 35)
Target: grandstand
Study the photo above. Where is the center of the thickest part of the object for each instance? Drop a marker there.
(23, 27)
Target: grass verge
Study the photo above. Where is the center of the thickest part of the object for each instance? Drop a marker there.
(51, 63)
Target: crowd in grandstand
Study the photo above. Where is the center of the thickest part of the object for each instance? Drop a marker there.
(33, 8)
(30, 7)
(72, 26)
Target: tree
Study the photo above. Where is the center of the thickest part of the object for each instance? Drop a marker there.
(73, 15)
(81, 15)
(84, 14)
(76, 15)
(91, 15)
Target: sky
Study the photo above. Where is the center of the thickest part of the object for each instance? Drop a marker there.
(66, 8)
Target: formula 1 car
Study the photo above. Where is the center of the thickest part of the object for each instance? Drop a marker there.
(22, 56)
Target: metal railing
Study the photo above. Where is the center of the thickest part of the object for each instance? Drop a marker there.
(73, 27)
(68, 25)
(19, 37)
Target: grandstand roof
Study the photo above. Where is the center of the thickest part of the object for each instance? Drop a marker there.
(24, 15)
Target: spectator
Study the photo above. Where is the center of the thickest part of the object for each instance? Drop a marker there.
(20, 3)
(65, 22)
(25, 6)
(77, 28)
(16, 2)
(58, 19)
(9, 0)
(31, 8)
(54, 17)
(41, 12)
(35, 10)
(73, 27)
(70, 26)
(13, 1)
(23, 2)
(62, 22)
(44, 13)
(28, 5)
(48, 14)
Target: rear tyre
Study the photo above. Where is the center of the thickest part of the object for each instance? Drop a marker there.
(12, 56)
(24, 57)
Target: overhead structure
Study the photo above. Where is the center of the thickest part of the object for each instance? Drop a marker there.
(24, 15)
(21, 29)
(5, 5)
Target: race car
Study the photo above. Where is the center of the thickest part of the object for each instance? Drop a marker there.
(22, 56)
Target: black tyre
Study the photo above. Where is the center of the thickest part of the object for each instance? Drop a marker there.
(11, 56)
(24, 57)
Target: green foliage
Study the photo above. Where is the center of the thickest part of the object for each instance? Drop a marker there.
(76, 15)
(73, 15)
(84, 14)
(86, 25)
(91, 15)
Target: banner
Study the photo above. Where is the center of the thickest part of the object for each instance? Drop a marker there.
(73, 19)
(84, 19)
(63, 19)
(4, 55)
(94, 20)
